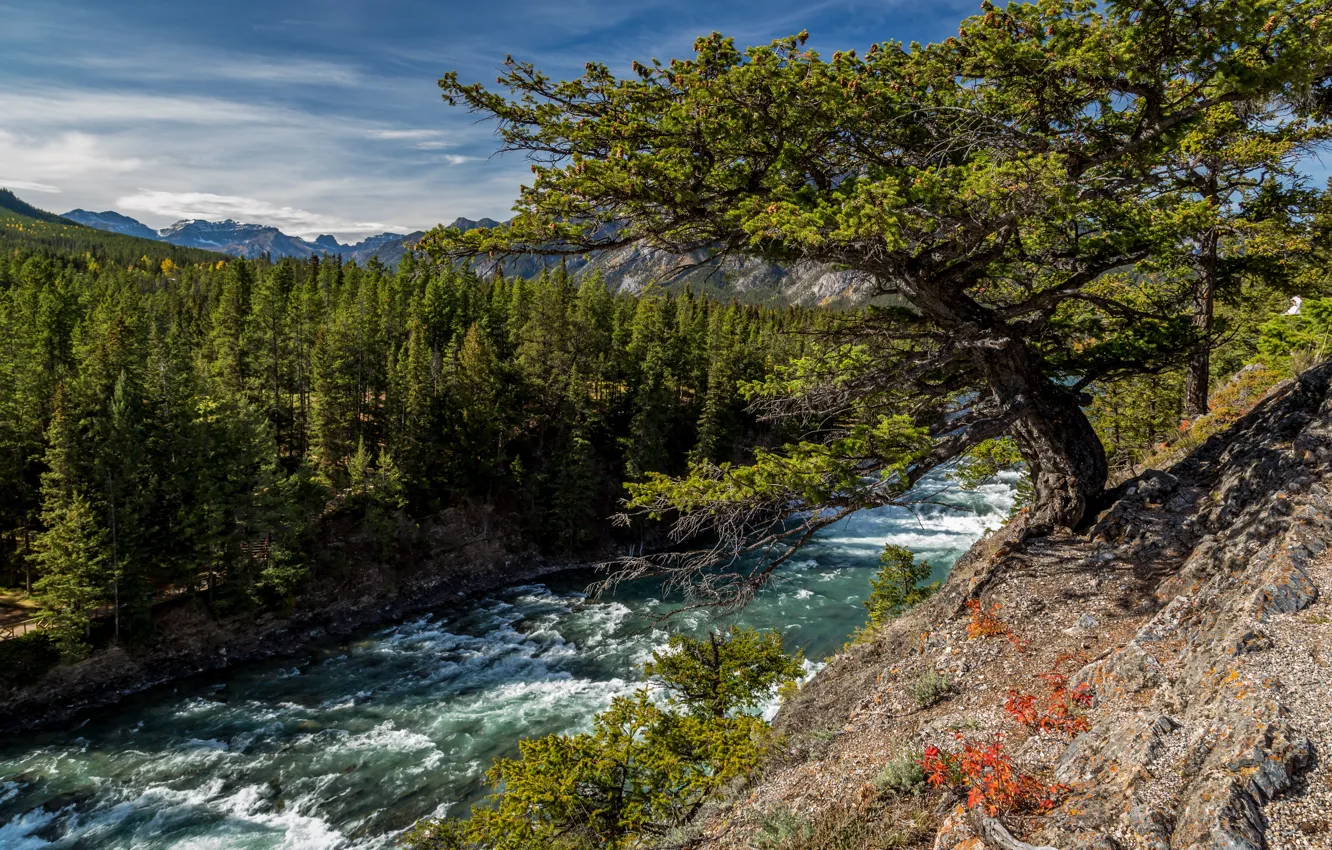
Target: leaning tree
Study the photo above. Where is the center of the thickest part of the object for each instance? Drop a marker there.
(1005, 186)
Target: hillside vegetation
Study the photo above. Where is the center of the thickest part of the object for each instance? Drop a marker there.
(26, 229)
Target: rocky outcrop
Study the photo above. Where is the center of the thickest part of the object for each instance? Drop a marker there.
(1194, 730)
(1194, 608)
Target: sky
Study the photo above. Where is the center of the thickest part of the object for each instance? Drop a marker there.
(326, 117)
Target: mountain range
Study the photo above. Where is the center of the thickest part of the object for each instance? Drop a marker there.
(254, 240)
(630, 268)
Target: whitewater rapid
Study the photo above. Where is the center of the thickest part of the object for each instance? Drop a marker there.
(352, 741)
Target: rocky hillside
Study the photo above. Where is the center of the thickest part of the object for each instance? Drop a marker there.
(1159, 681)
(635, 267)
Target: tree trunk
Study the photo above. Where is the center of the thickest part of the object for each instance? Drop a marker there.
(1062, 450)
(1198, 375)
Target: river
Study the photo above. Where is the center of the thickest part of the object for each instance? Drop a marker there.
(351, 741)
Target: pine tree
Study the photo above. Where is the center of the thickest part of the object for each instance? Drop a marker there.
(228, 328)
(267, 340)
(72, 551)
(1242, 164)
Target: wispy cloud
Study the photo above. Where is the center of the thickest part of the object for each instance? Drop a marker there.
(67, 155)
(420, 139)
(168, 63)
(27, 186)
(414, 134)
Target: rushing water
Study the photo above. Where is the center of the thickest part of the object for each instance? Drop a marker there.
(347, 744)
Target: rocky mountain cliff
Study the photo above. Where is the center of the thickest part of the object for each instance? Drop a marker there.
(254, 240)
(1191, 616)
(241, 240)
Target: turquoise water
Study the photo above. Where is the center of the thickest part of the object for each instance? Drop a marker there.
(350, 742)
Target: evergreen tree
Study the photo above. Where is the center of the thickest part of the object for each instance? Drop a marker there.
(267, 339)
(228, 328)
(73, 554)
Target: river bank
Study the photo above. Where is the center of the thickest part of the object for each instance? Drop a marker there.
(465, 554)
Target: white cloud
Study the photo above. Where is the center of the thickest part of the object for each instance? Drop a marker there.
(249, 69)
(83, 109)
(27, 186)
(298, 222)
(420, 139)
(174, 65)
(406, 135)
(67, 155)
(457, 159)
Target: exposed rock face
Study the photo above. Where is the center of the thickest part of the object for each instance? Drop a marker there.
(635, 267)
(1194, 732)
(1194, 608)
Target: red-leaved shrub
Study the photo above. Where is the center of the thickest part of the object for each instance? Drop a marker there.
(989, 777)
(1057, 710)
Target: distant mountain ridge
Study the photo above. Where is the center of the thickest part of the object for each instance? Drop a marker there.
(113, 222)
(241, 239)
(26, 228)
(631, 268)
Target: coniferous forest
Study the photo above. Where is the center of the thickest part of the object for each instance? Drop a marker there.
(184, 422)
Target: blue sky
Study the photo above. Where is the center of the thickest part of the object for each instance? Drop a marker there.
(325, 116)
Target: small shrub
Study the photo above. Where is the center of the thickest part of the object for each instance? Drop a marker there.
(728, 672)
(930, 687)
(895, 588)
(901, 775)
(780, 828)
(985, 622)
(985, 771)
(1057, 710)
(644, 769)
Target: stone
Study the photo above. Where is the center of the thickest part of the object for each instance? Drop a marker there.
(1165, 725)
(1290, 590)
(1155, 485)
(1251, 640)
